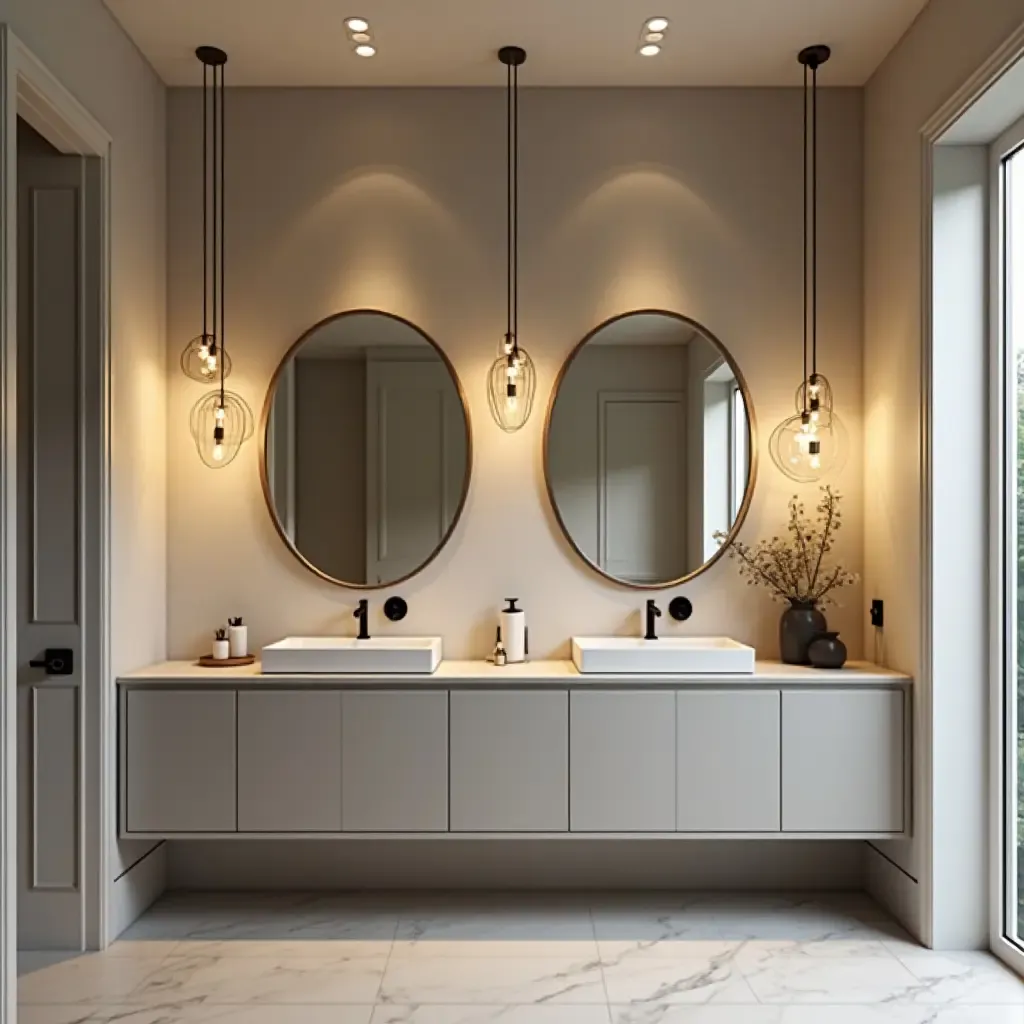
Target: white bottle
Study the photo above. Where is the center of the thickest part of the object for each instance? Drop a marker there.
(238, 638)
(220, 649)
(513, 631)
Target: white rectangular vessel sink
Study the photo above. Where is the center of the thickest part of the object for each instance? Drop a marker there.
(343, 655)
(705, 655)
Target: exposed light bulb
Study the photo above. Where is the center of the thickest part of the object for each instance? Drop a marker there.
(650, 50)
(657, 24)
(357, 24)
(512, 402)
(815, 416)
(509, 344)
(815, 462)
(219, 414)
(204, 351)
(211, 363)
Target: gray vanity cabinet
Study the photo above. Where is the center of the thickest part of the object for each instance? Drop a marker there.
(510, 761)
(394, 761)
(289, 761)
(623, 761)
(179, 761)
(843, 769)
(729, 760)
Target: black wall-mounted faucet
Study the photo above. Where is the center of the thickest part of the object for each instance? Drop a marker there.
(653, 612)
(362, 613)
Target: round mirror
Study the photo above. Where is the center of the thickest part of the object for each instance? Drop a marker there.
(649, 448)
(366, 449)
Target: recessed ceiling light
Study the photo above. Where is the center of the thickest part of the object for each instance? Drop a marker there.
(365, 50)
(653, 37)
(650, 50)
(361, 37)
(657, 24)
(357, 24)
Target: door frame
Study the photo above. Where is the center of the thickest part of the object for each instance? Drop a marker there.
(28, 89)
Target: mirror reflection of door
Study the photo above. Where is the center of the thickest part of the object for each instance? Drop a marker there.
(648, 448)
(367, 449)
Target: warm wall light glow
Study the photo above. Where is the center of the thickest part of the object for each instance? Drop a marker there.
(657, 24)
(650, 50)
(365, 50)
(357, 24)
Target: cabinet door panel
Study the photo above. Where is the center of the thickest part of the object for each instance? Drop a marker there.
(510, 761)
(728, 761)
(623, 761)
(180, 761)
(289, 761)
(842, 761)
(394, 755)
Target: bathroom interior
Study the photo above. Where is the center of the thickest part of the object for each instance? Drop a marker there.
(511, 513)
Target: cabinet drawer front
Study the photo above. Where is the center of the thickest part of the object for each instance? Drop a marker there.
(510, 761)
(180, 761)
(729, 761)
(289, 761)
(394, 754)
(623, 761)
(843, 761)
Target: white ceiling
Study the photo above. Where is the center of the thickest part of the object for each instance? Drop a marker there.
(568, 42)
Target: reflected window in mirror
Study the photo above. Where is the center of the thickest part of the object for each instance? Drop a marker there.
(366, 449)
(648, 449)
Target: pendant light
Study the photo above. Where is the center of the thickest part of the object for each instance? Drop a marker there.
(201, 356)
(813, 442)
(221, 422)
(512, 381)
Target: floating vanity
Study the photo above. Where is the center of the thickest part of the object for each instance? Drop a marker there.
(538, 749)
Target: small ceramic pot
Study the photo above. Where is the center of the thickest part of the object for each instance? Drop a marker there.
(827, 651)
(799, 625)
(221, 650)
(238, 640)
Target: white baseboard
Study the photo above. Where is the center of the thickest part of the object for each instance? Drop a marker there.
(895, 890)
(516, 864)
(136, 889)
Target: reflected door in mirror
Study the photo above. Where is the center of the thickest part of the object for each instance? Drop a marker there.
(648, 448)
(367, 449)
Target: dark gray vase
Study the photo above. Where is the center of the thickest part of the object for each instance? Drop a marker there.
(827, 651)
(800, 624)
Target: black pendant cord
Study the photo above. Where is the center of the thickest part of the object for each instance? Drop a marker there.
(212, 173)
(223, 221)
(509, 334)
(206, 208)
(515, 208)
(803, 387)
(814, 222)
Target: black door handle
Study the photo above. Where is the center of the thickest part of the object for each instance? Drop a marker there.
(56, 661)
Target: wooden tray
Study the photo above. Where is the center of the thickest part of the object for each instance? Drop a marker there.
(209, 661)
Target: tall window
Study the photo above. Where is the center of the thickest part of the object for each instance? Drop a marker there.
(1008, 193)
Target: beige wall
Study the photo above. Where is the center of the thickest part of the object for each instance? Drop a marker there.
(683, 199)
(81, 43)
(947, 43)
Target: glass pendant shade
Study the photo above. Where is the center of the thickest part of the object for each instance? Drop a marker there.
(201, 360)
(511, 387)
(221, 422)
(805, 450)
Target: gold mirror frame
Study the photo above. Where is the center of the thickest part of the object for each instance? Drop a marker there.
(748, 493)
(265, 423)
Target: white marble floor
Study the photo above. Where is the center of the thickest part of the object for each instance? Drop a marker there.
(518, 959)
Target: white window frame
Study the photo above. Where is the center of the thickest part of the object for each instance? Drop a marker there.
(1003, 541)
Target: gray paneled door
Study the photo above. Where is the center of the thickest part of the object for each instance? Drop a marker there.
(58, 321)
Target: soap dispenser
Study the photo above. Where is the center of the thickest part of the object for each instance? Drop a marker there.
(513, 631)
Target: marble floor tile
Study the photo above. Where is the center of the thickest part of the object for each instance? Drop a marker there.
(888, 1014)
(90, 979)
(264, 980)
(492, 980)
(190, 1013)
(650, 979)
(962, 978)
(449, 1014)
(666, 1013)
(795, 978)
(524, 932)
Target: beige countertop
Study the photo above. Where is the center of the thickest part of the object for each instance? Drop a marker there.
(460, 674)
